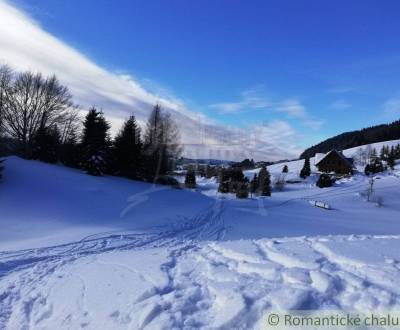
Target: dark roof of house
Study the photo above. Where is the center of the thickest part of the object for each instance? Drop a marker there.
(349, 161)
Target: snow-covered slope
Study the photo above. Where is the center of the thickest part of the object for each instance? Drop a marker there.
(296, 165)
(45, 204)
(88, 252)
(57, 204)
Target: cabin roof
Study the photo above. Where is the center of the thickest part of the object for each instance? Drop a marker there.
(349, 161)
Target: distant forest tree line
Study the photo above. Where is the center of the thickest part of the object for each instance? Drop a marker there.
(353, 139)
(38, 120)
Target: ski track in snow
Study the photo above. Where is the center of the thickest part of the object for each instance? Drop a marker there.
(210, 285)
(30, 269)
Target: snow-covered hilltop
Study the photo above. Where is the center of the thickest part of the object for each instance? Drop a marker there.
(104, 252)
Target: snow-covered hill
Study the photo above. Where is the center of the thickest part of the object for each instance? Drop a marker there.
(296, 165)
(79, 251)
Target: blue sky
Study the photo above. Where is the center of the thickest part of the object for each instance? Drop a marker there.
(322, 67)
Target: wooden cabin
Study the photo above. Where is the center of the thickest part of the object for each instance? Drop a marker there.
(335, 161)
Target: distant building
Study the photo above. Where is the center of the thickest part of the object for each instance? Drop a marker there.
(334, 161)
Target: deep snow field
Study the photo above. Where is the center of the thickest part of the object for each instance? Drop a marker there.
(108, 253)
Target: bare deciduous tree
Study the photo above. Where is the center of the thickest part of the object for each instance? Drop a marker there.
(161, 142)
(30, 101)
(5, 85)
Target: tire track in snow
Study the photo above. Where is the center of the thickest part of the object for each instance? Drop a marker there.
(28, 269)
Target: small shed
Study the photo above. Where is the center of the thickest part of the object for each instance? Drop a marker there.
(335, 161)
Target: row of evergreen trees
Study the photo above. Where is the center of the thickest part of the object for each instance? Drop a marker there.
(232, 180)
(130, 154)
(390, 154)
(387, 154)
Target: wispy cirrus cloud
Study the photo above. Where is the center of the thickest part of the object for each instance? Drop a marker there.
(340, 105)
(25, 45)
(252, 99)
(293, 108)
(249, 100)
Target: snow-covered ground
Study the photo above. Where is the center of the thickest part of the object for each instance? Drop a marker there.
(109, 253)
(137, 282)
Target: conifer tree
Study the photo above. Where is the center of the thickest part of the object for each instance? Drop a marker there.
(397, 151)
(264, 182)
(382, 153)
(210, 172)
(373, 156)
(70, 152)
(375, 167)
(367, 169)
(46, 144)
(224, 181)
(127, 151)
(254, 185)
(242, 190)
(285, 169)
(190, 179)
(391, 158)
(306, 170)
(95, 143)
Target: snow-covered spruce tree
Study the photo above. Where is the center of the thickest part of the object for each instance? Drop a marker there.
(190, 179)
(382, 153)
(264, 182)
(373, 156)
(253, 185)
(242, 189)
(224, 181)
(375, 166)
(236, 176)
(46, 144)
(367, 169)
(161, 144)
(391, 159)
(306, 170)
(397, 151)
(210, 172)
(95, 143)
(127, 157)
(285, 169)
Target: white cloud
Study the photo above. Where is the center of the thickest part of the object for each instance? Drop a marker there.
(293, 109)
(252, 100)
(249, 100)
(340, 105)
(26, 46)
(228, 107)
